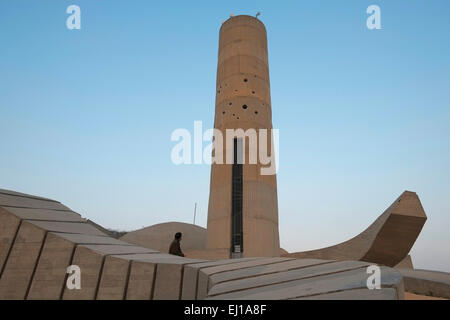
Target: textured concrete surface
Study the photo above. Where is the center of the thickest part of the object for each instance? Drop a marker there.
(272, 268)
(90, 263)
(387, 241)
(92, 239)
(19, 266)
(8, 229)
(406, 263)
(204, 283)
(312, 286)
(92, 259)
(68, 227)
(8, 200)
(159, 237)
(45, 215)
(413, 296)
(113, 279)
(50, 275)
(190, 278)
(356, 294)
(243, 101)
(141, 281)
(426, 282)
(168, 273)
(288, 275)
(36, 253)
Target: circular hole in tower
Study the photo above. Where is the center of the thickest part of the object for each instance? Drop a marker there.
(244, 106)
(245, 80)
(256, 112)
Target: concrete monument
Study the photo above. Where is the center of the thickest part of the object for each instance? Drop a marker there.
(40, 238)
(243, 205)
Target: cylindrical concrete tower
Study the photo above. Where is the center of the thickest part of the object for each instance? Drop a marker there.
(243, 206)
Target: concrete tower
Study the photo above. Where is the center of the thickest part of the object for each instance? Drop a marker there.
(243, 205)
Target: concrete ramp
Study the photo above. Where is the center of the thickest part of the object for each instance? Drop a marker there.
(40, 238)
(387, 241)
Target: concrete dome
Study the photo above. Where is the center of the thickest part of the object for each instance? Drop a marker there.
(159, 236)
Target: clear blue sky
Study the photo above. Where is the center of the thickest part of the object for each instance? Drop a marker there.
(86, 115)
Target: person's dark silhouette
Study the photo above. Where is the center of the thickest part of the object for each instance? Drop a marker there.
(175, 246)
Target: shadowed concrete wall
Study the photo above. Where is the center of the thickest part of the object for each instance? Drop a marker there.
(243, 101)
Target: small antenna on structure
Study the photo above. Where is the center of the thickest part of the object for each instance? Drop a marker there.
(231, 15)
(195, 211)
(258, 14)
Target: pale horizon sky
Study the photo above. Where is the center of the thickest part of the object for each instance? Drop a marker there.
(86, 115)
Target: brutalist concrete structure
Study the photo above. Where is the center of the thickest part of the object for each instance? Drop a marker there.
(41, 237)
(243, 206)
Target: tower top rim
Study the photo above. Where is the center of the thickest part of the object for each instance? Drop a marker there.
(242, 17)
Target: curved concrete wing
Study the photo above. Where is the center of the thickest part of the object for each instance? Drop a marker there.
(387, 241)
(40, 238)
